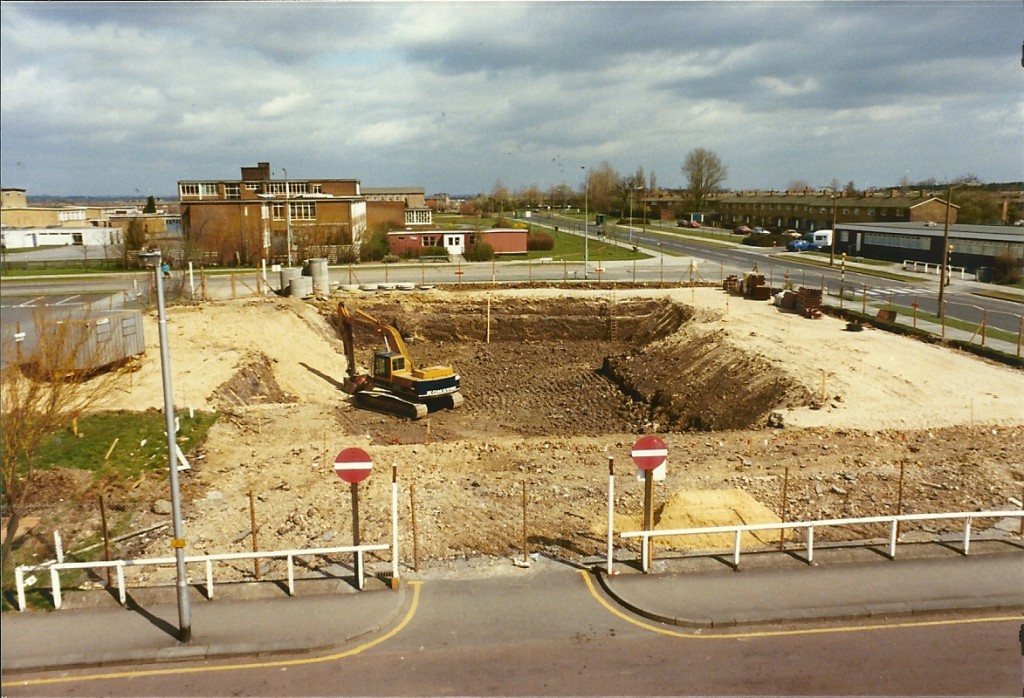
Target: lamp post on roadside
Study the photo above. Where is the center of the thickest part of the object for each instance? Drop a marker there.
(287, 218)
(832, 249)
(943, 273)
(586, 219)
(177, 542)
(631, 190)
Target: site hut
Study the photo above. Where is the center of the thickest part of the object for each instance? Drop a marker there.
(415, 243)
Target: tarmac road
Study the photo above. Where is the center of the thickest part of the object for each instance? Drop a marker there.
(934, 622)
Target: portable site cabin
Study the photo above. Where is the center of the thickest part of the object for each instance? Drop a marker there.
(76, 341)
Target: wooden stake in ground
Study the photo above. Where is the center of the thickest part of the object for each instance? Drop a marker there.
(415, 532)
(784, 508)
(252, 525)
(526, 545)
(899, 497)
(106, 535)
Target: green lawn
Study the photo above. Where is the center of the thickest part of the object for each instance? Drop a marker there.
(136, 443)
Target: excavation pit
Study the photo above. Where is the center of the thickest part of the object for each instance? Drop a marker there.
(582, 366)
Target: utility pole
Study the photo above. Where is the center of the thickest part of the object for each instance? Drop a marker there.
(945, 251)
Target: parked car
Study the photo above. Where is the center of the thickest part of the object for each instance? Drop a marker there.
(742, 230)
(800, 245)
(792, 233)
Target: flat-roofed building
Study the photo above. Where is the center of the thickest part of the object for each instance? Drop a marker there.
(258, 216)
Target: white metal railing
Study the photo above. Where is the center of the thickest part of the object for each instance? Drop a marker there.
(932, 268)
(56, 567)
(893, 521)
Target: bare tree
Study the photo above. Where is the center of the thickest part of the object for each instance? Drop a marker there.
(705, 173)
(602, 185)
(43, 387)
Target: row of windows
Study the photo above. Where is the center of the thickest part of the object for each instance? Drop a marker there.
(232, 190)
(987, 249)
(64, 216)
(298, 211)
(808, 209)
(418, 216)
(910, 242)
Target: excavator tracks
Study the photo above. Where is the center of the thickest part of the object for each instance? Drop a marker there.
(386, 403)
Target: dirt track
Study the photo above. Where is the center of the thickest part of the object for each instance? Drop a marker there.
(566, 381)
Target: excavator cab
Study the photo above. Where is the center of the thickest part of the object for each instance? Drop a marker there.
(386, 364)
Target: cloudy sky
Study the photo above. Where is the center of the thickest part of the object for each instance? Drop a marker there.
(128, 98)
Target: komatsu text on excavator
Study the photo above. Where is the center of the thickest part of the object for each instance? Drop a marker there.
(395, 385)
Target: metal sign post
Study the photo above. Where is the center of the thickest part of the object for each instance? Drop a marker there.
(649, 453)
(353, 465)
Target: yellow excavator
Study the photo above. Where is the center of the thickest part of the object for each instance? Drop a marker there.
(395, 385)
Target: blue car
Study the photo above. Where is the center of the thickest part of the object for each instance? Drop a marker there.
(800, 245)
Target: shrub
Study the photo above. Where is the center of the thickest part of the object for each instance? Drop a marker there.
(479, 252)
(434, 251)
(375, 247)
(539, 241)
(1005, 269)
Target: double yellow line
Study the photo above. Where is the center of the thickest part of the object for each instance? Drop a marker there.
(235, 667)
(696, 635)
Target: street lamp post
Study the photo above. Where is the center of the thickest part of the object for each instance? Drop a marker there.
(586, 220)
(832, 249)
(178, 541)
(287, 218)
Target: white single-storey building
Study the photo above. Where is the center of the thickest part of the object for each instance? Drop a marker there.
(16, 238)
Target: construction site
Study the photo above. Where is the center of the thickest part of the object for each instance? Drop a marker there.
(769, 413)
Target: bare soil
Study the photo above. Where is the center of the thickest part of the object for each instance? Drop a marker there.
(557, 383)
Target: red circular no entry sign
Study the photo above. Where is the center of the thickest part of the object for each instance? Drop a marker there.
(649, 452)
(353, 465)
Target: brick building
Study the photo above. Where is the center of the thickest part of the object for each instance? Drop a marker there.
(396, 207)
(804, 211)
(257, 216)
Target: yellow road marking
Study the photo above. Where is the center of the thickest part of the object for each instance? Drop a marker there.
(235, 667)
(781, 633)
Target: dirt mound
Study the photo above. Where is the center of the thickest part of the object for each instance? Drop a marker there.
(705, 509)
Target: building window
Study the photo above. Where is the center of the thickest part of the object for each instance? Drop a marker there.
(232, 191)
(303, 210)
(64, 216)
(209, 190)
(252, 186)
(275, 187)
(871, 211)
(318, 189)
(278, 212)
(298, 187)
(189, 189)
